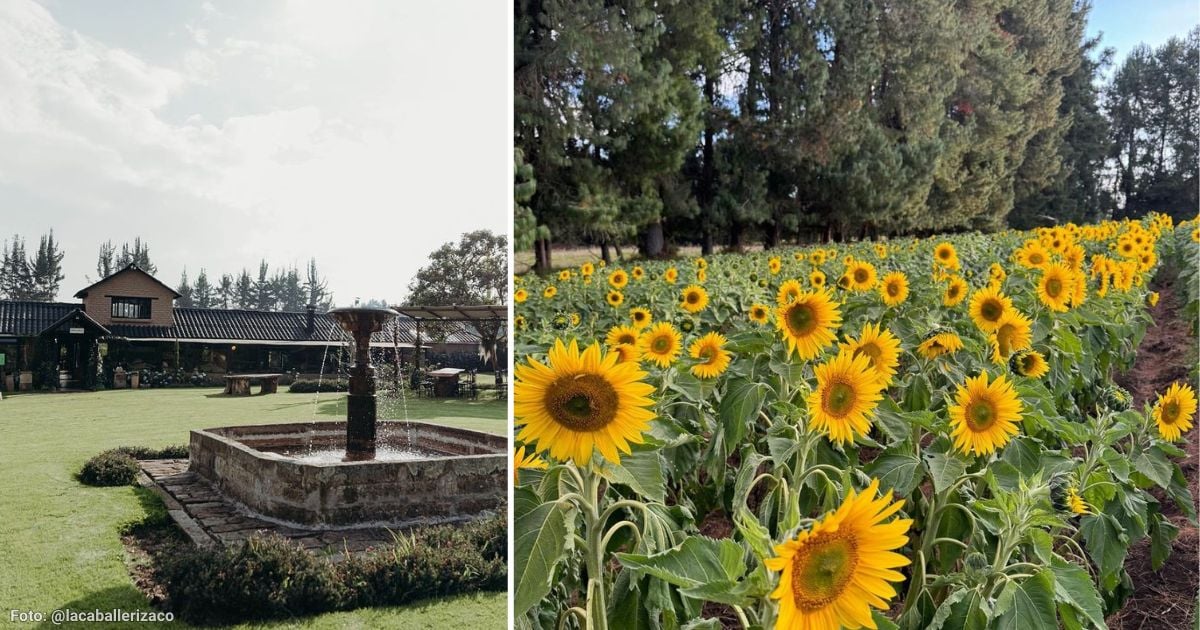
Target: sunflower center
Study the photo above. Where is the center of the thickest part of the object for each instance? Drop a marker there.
(1028, 364)
(944, 254)
(626, 338)
(801, 319)
(1036, 258)
(583, 402)
(1170, 412)
(692, 298)
(1004, 339)
(1053, 287)
(838, 398)
(952, 291)
(661, 344)
(981, 415)
(871, 350)
(893, 289)
(991, 310)
(860, 275)
(822, 570)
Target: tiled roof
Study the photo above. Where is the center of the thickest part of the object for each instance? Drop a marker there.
(200, 324)
(25, 319)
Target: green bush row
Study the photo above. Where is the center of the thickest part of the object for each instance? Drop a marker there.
(271, 577)
(119, 467)
(312, 387)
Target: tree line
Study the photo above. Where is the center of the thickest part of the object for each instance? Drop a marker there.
(725, 121)
(38, 276)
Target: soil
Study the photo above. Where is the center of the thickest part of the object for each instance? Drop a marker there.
(1165, 599)
(147, 544)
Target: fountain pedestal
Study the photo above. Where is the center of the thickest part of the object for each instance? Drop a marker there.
(361, 323)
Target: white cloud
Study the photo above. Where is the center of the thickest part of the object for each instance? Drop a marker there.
(260, 135)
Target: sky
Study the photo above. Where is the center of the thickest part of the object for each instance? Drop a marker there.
(362, 133)
(1127, 23)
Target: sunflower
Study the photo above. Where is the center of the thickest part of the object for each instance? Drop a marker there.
(575, 319)
(861, 274)
(527, 461)
(618, 335)
(817, 279)
(788, 292)
(519, 322)
(637, 273)
(660, 344)
(618, 279)
(1055, 287)
(628, 353)
(938, 342)
(564, 275)
(1029, 363)
(641, 317)
(520, 295)
(808, 323)
(986, 415)
(1032, 255)
(701, 263)
(671, 275)
(848, 389)
(614, 298)
(945, 254)
(581, 402)
(834, 573)
(894, 288)
(817, 258)
(988, 307)
(549, 292)
(1152, 299)
(587, 269)
(1076, 503)
(693, 299)
(881, 348)
(1174, 410)
(996, 272)
(955, 293)
(701, 275)
(1015, 332)
(774, 265)
(760, 313)
(715, 358)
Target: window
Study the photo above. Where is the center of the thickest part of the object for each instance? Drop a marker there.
(130, 308)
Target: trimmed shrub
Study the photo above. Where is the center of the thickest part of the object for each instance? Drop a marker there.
(271, 577)
(305, 386)
(110, 468)
(118, 466)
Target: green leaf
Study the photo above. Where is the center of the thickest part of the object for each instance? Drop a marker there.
(895, 471)
(1153, 463)
(740, 406)
(944, 469)
(896, 424)
(1028, 605)
(1022, 455)
(1107, 544)
(642, 471)
(539, 538)
(1073, 585)
(696, 562)
(1162, 532)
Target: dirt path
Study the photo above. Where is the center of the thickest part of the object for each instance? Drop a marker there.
(1165, 599)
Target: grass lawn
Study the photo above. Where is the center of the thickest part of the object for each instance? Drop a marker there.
(60, 539)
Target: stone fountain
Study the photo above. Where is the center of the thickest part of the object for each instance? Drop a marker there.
(361, 473)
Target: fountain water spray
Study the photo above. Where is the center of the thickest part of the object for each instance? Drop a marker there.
(361, 323)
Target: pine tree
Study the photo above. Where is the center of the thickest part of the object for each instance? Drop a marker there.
(244, 290)
(138, 255)
(264, 290)
(16, 275)
(316, 288)
(46, 269)
(186, 293)
(224, 294)
(202, 292)
(106, 261)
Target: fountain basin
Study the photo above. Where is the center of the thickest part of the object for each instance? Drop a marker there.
(447, 475)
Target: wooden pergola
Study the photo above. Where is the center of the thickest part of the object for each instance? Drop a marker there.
(476, 314)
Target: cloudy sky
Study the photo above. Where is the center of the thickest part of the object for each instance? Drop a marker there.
(362, 133)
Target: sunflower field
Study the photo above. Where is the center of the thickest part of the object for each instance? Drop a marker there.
(910, 433)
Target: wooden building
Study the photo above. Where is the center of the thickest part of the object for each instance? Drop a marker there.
(129, 319)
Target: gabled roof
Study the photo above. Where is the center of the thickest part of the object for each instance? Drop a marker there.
(127, 268)
(220, 325)
(28, 319)
(78, 316)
